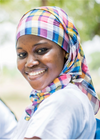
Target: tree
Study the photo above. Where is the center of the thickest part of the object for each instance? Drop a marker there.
(44, 2)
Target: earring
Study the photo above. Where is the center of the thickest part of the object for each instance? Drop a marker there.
(66, 56)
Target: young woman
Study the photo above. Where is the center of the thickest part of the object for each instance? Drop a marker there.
(51, 59)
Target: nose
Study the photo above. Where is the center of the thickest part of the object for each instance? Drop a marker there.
(31, 61)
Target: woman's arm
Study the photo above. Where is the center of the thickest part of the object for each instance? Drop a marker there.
(34, 138)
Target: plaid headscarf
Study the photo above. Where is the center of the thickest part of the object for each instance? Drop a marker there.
(54, 24)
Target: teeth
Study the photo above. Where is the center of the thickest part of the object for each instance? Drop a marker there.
(36, 73)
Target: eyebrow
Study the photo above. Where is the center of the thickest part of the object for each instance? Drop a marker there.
(18, 48)
(40, 43)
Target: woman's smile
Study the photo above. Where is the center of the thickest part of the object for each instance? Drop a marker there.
(35, 74)
(39, 60)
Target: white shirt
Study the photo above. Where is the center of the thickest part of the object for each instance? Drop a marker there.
(8, 122)
(66, 114)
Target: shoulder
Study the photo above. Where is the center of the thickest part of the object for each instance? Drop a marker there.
(70, 96)
(7, 121)
(70, 101)
(67, 113)
(5, 111)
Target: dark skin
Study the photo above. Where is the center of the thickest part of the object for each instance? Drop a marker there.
(39, 60)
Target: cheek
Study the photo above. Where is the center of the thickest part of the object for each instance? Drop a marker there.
(20, 66)
(55, 62)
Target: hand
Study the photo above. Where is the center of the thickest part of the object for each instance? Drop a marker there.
(32, 138)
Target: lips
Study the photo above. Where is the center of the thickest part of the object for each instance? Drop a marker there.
(35, 74)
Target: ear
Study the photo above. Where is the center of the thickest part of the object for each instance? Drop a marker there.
(64, 53)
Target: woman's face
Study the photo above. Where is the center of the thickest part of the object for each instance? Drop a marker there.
(39, 60)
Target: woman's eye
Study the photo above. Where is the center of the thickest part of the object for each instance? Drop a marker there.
(42, 51)
(22, 55)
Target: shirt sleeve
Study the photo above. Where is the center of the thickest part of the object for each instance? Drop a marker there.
(7, 122)
(63, 115)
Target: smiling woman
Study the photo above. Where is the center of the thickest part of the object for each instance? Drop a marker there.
(51, 59)
(38, 60)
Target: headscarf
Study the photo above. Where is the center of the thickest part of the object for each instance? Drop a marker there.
(54, 24)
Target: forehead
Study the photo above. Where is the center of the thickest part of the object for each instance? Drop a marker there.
(29, 38)
(33, 40)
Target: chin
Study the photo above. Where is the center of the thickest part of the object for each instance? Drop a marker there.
(38, 87)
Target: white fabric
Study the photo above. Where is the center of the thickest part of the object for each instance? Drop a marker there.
(66, 114)
(8, 122)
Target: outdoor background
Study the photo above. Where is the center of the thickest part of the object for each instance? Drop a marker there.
(14, 89)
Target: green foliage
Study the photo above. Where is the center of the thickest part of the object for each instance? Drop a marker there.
(86, 16)
(16, 8)
(4, 1)
(95, 61)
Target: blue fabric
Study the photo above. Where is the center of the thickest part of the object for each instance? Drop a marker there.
(97, 135)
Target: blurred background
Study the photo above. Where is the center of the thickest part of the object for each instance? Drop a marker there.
(14, 89)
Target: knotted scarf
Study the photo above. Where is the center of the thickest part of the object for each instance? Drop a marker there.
(54, 24)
